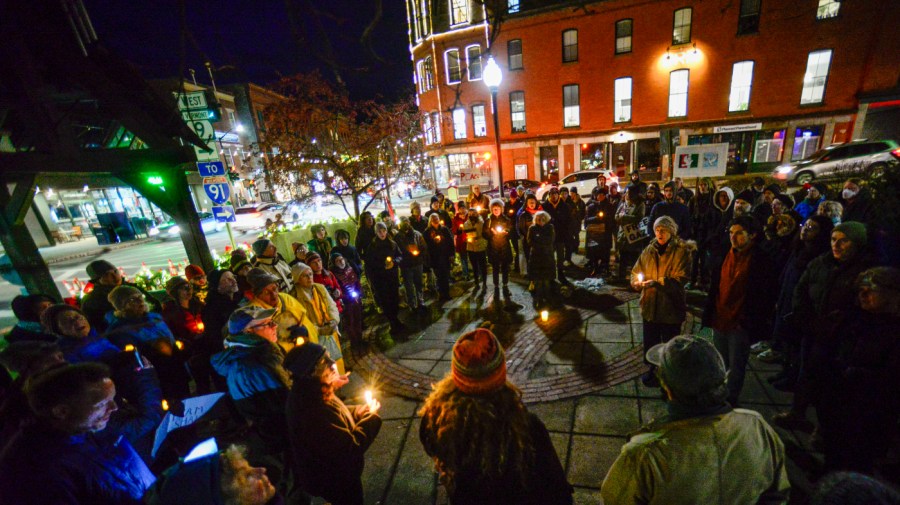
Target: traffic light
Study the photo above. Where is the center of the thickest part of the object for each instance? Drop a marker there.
(213, 107)
(155, 180)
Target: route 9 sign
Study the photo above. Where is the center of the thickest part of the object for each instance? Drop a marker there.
(217, 189)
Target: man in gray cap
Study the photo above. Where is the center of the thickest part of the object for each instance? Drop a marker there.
(268, 259)
(105, 277)
(702, 451)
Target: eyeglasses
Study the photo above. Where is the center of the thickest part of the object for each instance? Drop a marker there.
(269, 324)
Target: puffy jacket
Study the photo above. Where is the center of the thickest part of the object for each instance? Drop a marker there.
(599, 228)
(279, 268)
(807, 207)
(665, 302)
(415, 251)
(440, 246)
(499, 245)
(539, 252)
(741, 457)
(560, 218)
(474, 233)
(826, 289)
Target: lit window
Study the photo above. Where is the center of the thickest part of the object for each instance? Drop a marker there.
(428, 129)
(828, 9)
(459, 124)
(570, 46)
(473, 62)
(513, 6)
(478, 122)
(623, 100)
(748, 21)
(741, 82)
(517, 111)
(454, 74)
(436, 127)
(678, 93)
(623, 36)
(420, 76)
(429, 73)
(571, 107)
(422, 20)
(514, 51)
(816, 76)
(681, 27)
(459, 12)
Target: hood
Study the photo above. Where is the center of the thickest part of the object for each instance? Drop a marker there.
(728, 191)
(232, 358)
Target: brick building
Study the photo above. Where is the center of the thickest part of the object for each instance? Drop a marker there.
(618, 84)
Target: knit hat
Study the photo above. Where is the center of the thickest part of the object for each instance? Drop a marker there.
(236, 267)
(247, 317)
(259, 279)
(855, 231)
(821, 188)
(97, 268)
(667, 223)
(48, 318)
(672, 185)
(259, 247)
(435, 199)
(745, 195)
(193, 272)
(334, 256)
(690, 366)
(23, 306)
(339, 234)
(496, 202)
(564, 189)
(758, 181)
(554, 189)
(774, 188)
(312, 256)
(174, 283)
(297, 270)
(885, 278)
(301, 361)
(119, 296)
(785, 200)
(513, 193)
(238, 255)
(479, 364)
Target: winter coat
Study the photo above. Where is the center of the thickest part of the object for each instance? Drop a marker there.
(807, 207)
(351, 289)
(473, 231)
(861, 209)
(377, 267)
(560, 218)
(91, 348)
(545, 481)
(96, 305)
(215, 316)
(665, 302)
(827, 289)
(717, 222)
(678, 212)
(577, 213)
(331, 312)
(447, 219)
(700, 207)
(42, 466)
(460, 238)
(279, 268)
(658, 466)
(440, 246)
(258, 385)
(628, 214)
(415, 251)
(639, 184)
(323, 247)
(331, 284)
(364, 237)
(540, 252)
(758, 307)
(418, 223)
(351, 255)
(482, 200)
(328, 443)
(289, 313)
(28, 331)
(186, 324)
(511, 211)
(599, 230)
(524, 220)
(153, 339)
(499, 246)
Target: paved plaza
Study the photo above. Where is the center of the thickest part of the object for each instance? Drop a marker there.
(578, 372)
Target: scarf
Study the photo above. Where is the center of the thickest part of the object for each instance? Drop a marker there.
(319, 309)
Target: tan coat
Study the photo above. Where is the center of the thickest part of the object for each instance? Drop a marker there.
(664, 303)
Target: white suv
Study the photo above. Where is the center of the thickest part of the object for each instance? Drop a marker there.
(584, 180)
(841, 160)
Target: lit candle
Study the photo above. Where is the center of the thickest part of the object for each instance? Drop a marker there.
(165, 404)
(370, 399)
(415, 252)
(179, 344)
(129, 347)
(478, 208)
(640, 278)
(442, 222)
(545, 315)
(499, 229)
(389, 262)
(437, 239)
(299, 341)
(600, 214)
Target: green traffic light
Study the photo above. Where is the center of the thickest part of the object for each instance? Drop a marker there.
(155, 180)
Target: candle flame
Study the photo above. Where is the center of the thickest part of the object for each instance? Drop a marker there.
(165, 405)
(640, 277)
(299, 341)
(129, 347)
(499, 229)
(179, 344)
(201, 326)
(545, 315)
(369, 396)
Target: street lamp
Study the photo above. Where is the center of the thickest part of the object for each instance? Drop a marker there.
(492, 77)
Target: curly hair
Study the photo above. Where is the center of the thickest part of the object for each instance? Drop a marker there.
(483, 434)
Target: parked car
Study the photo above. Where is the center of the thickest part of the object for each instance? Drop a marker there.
(508, 185)
(584, 180)
(841, 160)
(171, 231)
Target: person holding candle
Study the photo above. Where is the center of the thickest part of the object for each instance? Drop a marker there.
(486, 446)
(415, 257)
(541, 263)
(349, 252)
(524, 220)
(459, 219)
(183, 316)
(629, 246)
(560, 216)
(440, 252)
(511, 211)
(197, 277)
(382, 257)
(416, 219)
(351, 298)
(476, 245)
(328, 439)
(500, 253)
(365, 233)
(598, 224)
(478, 201)
(324, 277)
(660, 274)
(437, 207)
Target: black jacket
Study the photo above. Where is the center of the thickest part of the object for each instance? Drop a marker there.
(758, 309)
(440, 246)
(560, 218)
(499, 246)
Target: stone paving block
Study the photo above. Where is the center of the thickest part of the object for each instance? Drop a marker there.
(591, 458)
(610, 332)
(597, 353)
(556, 416)
(626, 388)
(421, 348)
(614, 315)
(587, 496)
(606, 415)
(395, 407)
(564, 353)
(574, 335)
(438, 331)
(561, 445)
(414, 477)
(651, 409)
(419, 365)
(546, 370)
(758, 390)
(440, 370)
(381, 457)
(434, 353)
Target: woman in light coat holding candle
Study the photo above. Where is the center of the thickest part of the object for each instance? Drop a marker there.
(476, 245)
(498, 232)
(660, 274)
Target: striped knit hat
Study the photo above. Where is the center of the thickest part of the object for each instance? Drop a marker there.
(479, 364)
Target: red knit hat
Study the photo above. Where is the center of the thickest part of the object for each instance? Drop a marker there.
(193, 271)
(479, 364)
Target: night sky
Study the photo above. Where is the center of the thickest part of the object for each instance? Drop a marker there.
(253, 40)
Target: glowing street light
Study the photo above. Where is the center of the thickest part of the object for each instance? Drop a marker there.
(492, 78)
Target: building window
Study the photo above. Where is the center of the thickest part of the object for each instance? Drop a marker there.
(512, 6)
(571, 107)
(622, 106)
(570, 46)
(828, 9)
(422, 21)
(678, 93)
(623, 36)
(459, 12)
(479, 125)
(428, 129)
(454, 74)
(815, 77)
(514, 52)
(517, 111)
(436, 126)
(748, 21)
(473, 62)
(424, 71)
(681, 27)
(459, 124)
(741, 82)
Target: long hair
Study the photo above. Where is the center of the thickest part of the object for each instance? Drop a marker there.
(486, 434)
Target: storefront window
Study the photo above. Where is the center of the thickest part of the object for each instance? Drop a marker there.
(806, 141)
(550, 164)
(593, 156)
(648, 153)
(769, 145)
(738, 147)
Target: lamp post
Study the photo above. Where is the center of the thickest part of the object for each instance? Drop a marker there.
(492, 77)
(238, 128)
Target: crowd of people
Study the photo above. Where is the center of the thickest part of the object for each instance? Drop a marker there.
(796, 281)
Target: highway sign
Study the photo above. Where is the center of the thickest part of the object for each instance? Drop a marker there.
(191, 101)
(211, 168)
(217, 189)
(224, 214)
